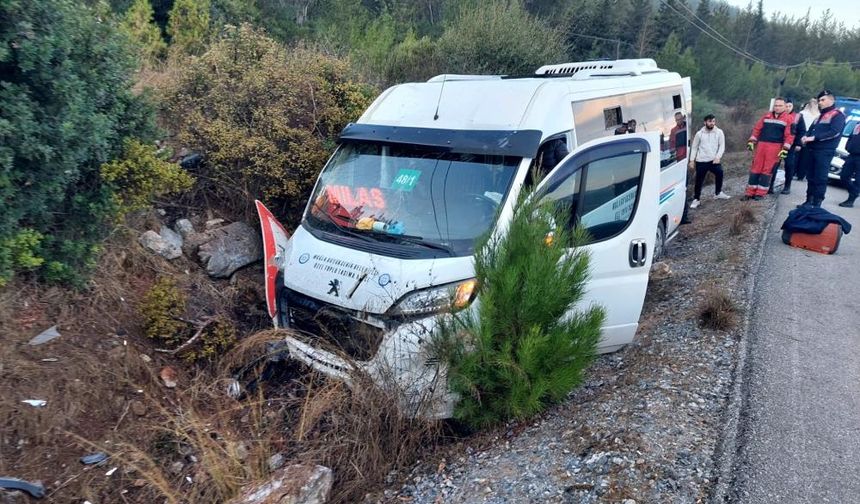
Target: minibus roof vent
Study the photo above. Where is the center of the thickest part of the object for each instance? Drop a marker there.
(602, 68)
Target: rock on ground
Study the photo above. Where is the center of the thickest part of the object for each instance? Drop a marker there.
(231, 247)
(295, 484)
(167, 243)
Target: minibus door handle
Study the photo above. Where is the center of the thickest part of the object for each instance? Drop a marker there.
(638, 253)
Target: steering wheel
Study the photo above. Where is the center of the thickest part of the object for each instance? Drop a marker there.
(489, 205)
(484, 209)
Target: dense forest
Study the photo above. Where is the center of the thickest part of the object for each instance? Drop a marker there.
(262, 88)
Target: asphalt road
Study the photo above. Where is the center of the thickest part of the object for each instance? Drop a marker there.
(799, 426)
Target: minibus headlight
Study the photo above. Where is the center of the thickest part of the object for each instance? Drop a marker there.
(449, 297)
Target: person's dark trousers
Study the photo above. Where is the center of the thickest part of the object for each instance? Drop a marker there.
(817, 177)
(804, 160)
(851, 169)
(791, 167)
(702, 169)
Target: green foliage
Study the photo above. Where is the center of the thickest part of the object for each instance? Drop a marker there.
(518, 351)
(188, 25)
(139, 176)
(674, 59)
(162, 307)
(266, 118)
(65, 108)
(215, 340)
(413, 59)
(19, 253)
(138, 24)
(499, 37)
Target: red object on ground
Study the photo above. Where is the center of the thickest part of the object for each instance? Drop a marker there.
(827, 242)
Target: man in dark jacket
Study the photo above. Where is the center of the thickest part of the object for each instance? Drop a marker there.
(851, 168)
(821, 139)
(798, 129)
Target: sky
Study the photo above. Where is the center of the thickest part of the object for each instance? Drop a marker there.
(847, 11)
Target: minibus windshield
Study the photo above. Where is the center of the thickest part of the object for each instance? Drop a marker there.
(411, 195)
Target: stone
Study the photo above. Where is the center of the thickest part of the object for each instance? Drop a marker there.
(169, 376)
(138, 408)
(295, 484)
(660, 270)
(232, 247)
(176, 468)
(12, 497)
(171, 237)
(184, 228)
(240, 450)
(276, 461)
(214, 223)
(156, 244)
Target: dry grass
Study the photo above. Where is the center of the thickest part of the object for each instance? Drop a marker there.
(717, 310)
(743, 216)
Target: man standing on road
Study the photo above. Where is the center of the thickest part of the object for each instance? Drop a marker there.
(707, 150)
(798, 129)
(771, 138)
(851, 168)
(821, 139)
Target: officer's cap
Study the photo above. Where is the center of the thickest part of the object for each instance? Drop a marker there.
(825, 92)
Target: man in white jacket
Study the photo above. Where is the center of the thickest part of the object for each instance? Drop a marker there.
(707, 150)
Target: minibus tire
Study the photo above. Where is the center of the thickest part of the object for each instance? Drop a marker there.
(660, 242)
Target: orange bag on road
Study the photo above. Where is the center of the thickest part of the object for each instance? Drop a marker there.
(827, 242)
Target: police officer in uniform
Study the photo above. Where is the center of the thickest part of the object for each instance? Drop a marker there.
(821, 139)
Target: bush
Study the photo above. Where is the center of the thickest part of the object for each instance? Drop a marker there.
(188, 26)
(19, 253)
(413, 59)
(717, 310)
(266, 118)
(162, 308)
(518, 351)
(65, 108)
(139, 176)
(499, 38)
(138, 24)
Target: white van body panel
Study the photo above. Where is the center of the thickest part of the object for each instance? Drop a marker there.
(367, 286)
(366, 282)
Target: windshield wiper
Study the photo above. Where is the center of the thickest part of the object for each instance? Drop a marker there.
(412, 239)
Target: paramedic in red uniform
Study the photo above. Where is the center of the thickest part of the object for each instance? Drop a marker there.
(771, 138)
(821, 140)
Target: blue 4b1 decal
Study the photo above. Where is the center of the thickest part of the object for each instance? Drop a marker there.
(405, 180)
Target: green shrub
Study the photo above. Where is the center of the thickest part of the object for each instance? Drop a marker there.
(139, 176)
(19, 252)
(518, 352)
(162, 308)
(412, 60)
(138, 24)
(264, 117)
(65, 108)
(188, 25)
(499, 37)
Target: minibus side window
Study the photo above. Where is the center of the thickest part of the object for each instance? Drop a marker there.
(609, 194)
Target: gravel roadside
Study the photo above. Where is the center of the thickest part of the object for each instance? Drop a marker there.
(645, 425)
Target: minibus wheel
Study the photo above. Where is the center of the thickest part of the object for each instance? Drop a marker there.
(660, 241)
